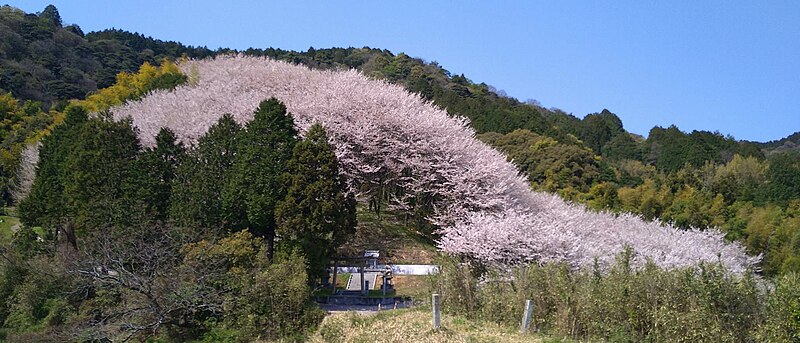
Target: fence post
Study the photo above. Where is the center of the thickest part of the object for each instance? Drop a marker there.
(436, 317)
(526, 317)
(335, 269)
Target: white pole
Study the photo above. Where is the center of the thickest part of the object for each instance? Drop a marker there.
(526, 317)
(437, 323)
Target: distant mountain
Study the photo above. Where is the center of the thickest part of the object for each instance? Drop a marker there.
(790, 143)
(42, 60)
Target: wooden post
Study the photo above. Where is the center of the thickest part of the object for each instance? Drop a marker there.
(437, 320)
(526, 317)
(335, 268)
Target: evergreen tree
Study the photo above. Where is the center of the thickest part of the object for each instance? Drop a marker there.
(199, 179)
(50, 13)
(100, 191)
(45, 205)
(317, 214)
(783, 177)
(600, 128)
(253, 190)
(156, 169)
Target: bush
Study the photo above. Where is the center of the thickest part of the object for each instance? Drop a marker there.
(457, 285)
(704, 303)
(275, 302)
(783, 311)
(40, 300)
(260, 299)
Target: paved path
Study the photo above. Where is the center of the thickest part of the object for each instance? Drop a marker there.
(363, 309)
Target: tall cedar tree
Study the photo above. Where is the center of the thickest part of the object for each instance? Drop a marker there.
(156, 168)
(101, 189)
(45, 205)
(317, 214)
(254, 188)
(199, 179)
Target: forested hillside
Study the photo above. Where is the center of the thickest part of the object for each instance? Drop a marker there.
(698, 179)
(160, 192)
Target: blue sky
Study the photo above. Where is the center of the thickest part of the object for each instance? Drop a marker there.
(727, 66)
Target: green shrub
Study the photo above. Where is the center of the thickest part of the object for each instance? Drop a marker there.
(624, 304)
(39, 300)
(783, 311)
(260, 300)
(457, 285)
(276, 302)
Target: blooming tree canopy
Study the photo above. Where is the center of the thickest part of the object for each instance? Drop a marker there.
(484, 207)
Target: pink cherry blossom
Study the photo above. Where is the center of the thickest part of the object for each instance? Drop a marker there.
(485, 208)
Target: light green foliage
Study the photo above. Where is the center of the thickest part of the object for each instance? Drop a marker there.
(550, 165)
(783, 311)
(692, 208)
(740, 178)
(704, 303)
(234, 254)
(259, 299)
(602, 195)
(275, 301)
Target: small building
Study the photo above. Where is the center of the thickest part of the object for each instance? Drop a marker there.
(371, 258)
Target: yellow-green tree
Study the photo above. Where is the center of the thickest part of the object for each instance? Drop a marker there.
(131, 86)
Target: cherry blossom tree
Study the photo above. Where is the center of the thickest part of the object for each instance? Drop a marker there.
(26, 172)
(484, 207)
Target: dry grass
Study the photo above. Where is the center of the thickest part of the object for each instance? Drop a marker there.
(411, 325)
(396, 239)
(414, 286)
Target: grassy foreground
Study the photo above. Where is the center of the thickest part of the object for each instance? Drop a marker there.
(6, 224)
(412, 325)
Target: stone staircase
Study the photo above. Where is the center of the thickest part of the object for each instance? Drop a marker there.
(354, 282)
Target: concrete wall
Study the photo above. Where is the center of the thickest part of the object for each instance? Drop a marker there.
(399, 269)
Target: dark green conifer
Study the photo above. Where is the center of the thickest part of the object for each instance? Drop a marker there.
(156, 169)
(45, 205)
(254, 188)
(199, 180)
(317, 214)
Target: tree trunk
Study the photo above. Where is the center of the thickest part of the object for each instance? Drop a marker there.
(270, 236)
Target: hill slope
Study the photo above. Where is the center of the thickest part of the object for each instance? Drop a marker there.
(382, 132)
(692, 179)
